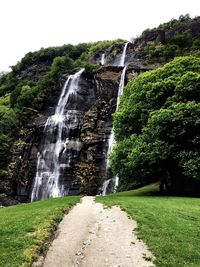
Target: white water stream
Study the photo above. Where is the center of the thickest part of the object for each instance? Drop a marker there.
(111, 141)
(103, 59)
(56, 140)
(123, 56)
(47, 182)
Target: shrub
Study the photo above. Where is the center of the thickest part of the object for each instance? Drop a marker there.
(5, 146)
(8, 121)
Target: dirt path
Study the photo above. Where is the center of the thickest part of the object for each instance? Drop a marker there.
(91, 236)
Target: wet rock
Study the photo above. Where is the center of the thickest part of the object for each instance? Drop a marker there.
(87, 127)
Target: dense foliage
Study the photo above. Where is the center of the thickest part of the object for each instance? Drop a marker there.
(157, 127)
(174, 38)
(102, 45)
(8, 128)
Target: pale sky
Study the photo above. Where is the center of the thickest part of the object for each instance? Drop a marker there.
(28, 25)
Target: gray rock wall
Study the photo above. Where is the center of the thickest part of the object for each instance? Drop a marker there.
(96, 103)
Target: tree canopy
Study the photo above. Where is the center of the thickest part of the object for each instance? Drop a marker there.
(157, 127)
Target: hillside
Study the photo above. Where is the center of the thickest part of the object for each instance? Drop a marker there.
(29, 93)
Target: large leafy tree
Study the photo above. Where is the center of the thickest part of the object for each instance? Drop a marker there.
(157, 127)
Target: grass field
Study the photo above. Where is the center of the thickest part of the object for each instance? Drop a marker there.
(26, 229)
(169, 225)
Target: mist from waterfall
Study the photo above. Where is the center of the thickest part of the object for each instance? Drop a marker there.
(55, 142)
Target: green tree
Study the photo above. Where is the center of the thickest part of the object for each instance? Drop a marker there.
(8, 121)
(26, 97)
(5, 146)
(157, 127)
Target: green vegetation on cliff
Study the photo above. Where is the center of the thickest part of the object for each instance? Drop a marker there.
(157, 128)
(26, 230)
(174, 38)
(168, 225)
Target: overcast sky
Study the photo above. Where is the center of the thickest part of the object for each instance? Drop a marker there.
(28, 25)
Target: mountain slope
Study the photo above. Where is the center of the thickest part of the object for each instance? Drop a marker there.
(29, 93)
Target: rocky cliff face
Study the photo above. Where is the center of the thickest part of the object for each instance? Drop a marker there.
(35, 71)
(167, 32)
(87, 169)
(134, 57)
(175, 38)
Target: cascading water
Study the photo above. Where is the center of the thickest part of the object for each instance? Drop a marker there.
(121, 85)
(114, 181)
(123, 56)
(102, 59)
(105, 186)
(55, 142)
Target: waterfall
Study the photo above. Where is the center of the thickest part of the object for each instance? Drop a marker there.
(105, 186)
(103, 59)
(121, 85)
(55, 142)
(114, 181)
(111, 140)
(123, 56)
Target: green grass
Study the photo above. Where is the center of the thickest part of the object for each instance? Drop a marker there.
(169, 225)
(25, 230)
